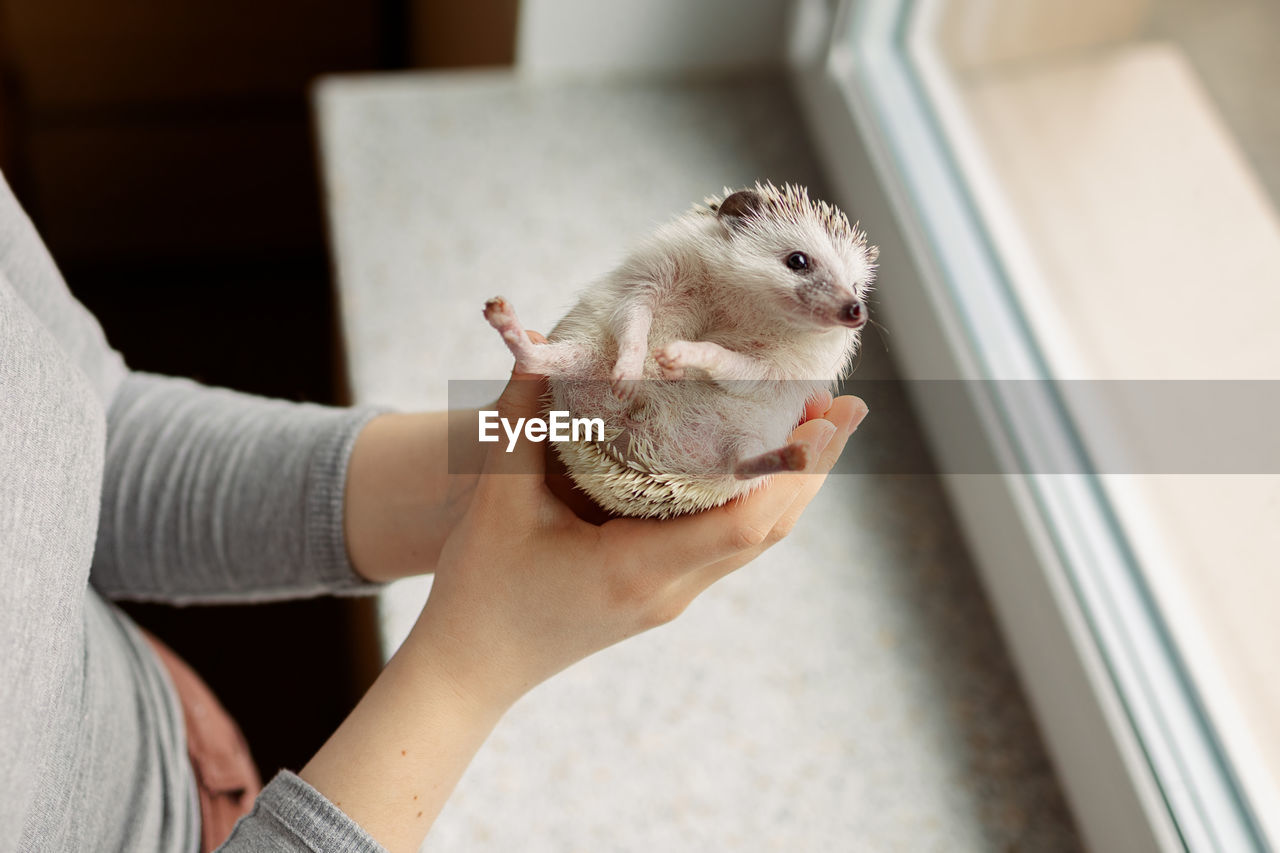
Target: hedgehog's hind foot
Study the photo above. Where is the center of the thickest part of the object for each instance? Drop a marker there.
(503, 318)
(791, 457)
(549, 359)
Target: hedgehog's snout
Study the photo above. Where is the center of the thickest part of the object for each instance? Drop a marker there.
(853, 314)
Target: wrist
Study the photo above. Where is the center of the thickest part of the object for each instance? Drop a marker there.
(483, 678)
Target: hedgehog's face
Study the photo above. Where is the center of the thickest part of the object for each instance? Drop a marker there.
(801, 257)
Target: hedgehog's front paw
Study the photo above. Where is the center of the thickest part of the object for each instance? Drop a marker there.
(672, 358)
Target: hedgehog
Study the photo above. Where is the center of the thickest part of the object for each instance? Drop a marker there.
(700, 350)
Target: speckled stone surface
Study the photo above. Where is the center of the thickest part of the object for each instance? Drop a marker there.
(846, 692)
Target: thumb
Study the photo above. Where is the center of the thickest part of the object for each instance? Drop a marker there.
(523, 399)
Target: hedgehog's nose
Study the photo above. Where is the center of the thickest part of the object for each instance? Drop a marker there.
(853, 315)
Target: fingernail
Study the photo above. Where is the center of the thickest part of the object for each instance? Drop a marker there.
(828, 433)
(857, 417)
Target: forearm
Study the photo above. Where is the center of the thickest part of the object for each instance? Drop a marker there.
(213, 495)
(396, 759)
(401, 499)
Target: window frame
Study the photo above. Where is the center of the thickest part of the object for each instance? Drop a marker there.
(1139, 760)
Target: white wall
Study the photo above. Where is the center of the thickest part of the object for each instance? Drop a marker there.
(623, 36)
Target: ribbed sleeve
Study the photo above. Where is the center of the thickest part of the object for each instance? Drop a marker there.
(290, 815)
(214, 495)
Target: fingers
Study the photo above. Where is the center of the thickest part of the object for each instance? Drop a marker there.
(846, 413)
(816, 406)
(694, 541)
(521, 400)
(785, 496)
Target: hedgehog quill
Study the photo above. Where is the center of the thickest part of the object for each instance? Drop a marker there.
(700, 350)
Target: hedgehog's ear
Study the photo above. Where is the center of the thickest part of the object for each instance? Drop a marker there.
(736, 208)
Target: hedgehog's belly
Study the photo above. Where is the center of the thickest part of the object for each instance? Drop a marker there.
(676, 456)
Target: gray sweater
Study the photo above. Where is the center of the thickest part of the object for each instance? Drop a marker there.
(115, 484)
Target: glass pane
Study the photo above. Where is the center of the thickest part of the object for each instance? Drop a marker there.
(1123, 160)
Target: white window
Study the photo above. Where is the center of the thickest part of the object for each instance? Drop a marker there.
(1076, 203)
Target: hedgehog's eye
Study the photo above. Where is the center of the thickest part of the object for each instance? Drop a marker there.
(798, 261)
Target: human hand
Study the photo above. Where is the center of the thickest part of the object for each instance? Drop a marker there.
(525, 588)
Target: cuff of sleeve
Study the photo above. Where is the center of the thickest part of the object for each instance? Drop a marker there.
(326, 496)
(301, 812)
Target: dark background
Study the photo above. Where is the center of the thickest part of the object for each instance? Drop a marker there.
(165, 151)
